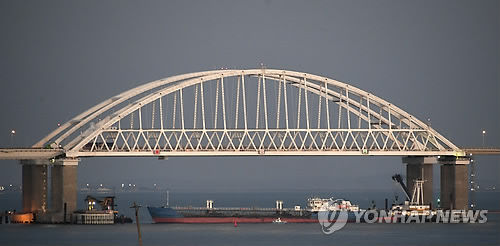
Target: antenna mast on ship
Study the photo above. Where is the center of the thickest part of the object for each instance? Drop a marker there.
(168, 197)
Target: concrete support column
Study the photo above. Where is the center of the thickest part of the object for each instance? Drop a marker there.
(64, 189)
(420, 168)
(454, 184)
(34, 179)
(27, 187)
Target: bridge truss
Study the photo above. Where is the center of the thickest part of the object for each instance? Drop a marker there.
(246, 112)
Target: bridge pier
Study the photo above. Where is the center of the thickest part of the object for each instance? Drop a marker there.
(63, 190)
(34, 179)
(420, 168)
(454, 183)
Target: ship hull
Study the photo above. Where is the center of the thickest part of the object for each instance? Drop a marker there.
(222, 220)
(170, 215)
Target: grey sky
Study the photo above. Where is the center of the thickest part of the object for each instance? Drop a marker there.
(434, 59)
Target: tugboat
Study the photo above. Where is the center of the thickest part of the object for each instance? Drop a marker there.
(279, 221)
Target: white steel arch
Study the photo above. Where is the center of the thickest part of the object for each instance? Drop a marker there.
(213, 113)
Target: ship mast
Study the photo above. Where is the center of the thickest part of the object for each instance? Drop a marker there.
(418, 191)
(168, 197)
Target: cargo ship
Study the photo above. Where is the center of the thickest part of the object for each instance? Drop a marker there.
(211, 214)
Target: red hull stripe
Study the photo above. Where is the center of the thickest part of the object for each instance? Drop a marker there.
(218, 220)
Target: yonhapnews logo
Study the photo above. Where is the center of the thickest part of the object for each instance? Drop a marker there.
(332, 221)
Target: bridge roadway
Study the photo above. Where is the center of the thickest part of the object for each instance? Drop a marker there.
(45, 154)
(29, 153)
(482, 151)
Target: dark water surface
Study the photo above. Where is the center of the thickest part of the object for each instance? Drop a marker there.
(250, 234)
(253, 234)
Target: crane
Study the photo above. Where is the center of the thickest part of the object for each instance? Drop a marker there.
(399, 179)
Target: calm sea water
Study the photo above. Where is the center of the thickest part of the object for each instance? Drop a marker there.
(250, 234)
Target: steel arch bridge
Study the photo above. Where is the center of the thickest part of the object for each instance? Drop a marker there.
(244, 113)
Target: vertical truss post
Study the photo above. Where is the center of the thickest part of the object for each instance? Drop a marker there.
(319, 106)
(244, 101)
(347, 108)
(182, 108)
(368, 110)
(140, 118)
(360, 112)
(380, 117)
(216, 103)
(278, 104)
(237, 103)
(286, 104)
(389, 112)
(195, 105)
(339, 126)
(265, 99)
(258, 105)
(223, 101)
(161, 113)
(326, 104)
(307, 105)
(132, 120)
(174, 109)
(153, 115)
(298, 107)
(202, 106)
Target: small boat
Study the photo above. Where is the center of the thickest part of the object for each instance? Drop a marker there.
(105, 215)
(279, 221)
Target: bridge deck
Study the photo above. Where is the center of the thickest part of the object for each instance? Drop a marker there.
(259, 153)
(35, 153)
(482, 151)
(29, 153)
